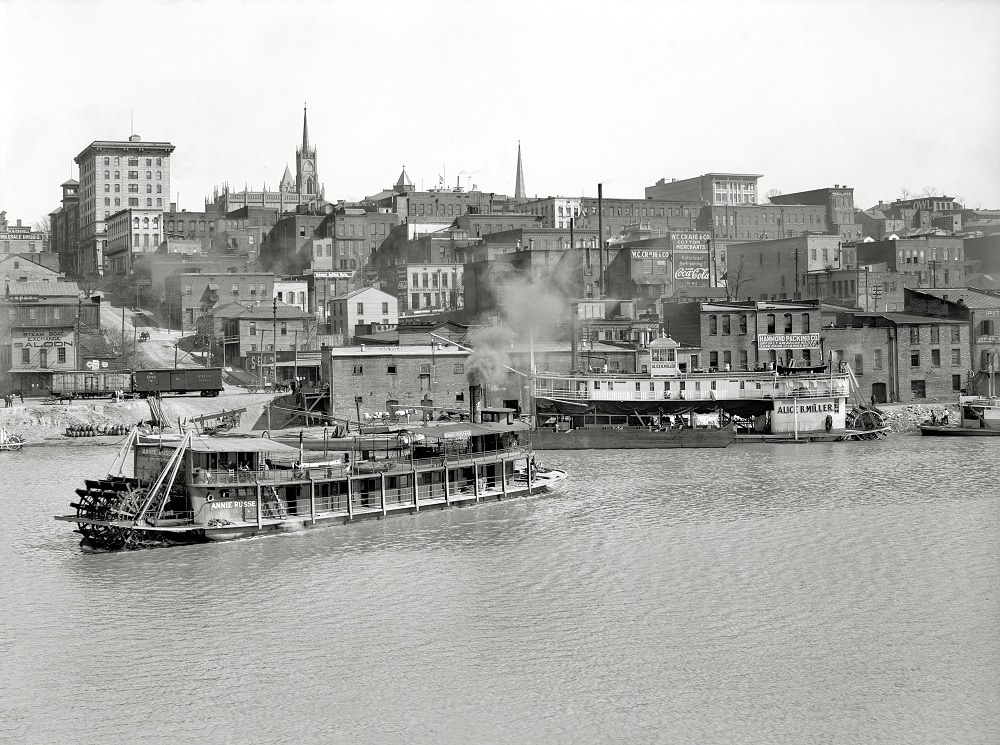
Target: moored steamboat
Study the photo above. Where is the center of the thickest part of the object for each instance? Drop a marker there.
(661, 406)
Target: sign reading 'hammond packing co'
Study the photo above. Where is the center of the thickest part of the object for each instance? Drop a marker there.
(787, 341)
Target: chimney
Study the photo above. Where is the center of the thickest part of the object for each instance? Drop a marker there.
(475, 403)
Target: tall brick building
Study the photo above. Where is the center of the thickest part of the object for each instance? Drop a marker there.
(115, 175)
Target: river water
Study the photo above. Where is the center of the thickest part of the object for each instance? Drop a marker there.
(837, 593)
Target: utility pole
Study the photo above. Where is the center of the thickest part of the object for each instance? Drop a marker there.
(797, 296)
(274, 347)
(600, 238)
(79, 305)
(876, 294)
(713, 270)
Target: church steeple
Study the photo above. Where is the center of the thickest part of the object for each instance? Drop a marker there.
(306, 175)
(519, 186)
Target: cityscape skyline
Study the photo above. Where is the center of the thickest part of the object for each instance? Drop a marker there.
(596, 100)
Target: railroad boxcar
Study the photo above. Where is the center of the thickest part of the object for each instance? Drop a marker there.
(88, 384)
(204, 380)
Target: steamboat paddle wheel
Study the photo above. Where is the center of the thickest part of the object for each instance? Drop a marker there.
(106, 509)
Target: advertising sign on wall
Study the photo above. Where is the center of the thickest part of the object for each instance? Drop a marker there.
(691, 258)
(787, 341)
(43, 338)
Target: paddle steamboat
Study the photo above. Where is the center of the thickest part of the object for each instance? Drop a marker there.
(217, 488)
(666, 404)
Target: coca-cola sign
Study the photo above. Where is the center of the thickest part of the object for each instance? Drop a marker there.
(692, 272)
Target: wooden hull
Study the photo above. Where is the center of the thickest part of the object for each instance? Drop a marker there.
(939, 431)
(614, 439)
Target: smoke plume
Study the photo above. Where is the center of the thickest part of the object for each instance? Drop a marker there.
(486, 365)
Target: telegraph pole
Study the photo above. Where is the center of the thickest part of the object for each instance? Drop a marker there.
(797, 296)
(876, 294)
(79, 304)
(274, 357)
(600, 238)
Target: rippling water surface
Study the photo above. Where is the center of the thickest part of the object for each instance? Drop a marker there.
(839, 593)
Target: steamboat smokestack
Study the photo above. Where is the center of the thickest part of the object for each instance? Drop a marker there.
(475, 404)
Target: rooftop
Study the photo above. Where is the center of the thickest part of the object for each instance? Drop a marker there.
(23, 290)
(972, 298)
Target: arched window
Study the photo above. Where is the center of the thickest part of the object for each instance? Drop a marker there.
(135, 223)
(145, 223)
(156, 222)
(149, 188)
(107, 162)
(149, 174)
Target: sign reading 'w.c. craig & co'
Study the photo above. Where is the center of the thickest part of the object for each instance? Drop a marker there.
(787, 341)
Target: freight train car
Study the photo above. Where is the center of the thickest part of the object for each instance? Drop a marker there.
(204, 380)
(87, 384)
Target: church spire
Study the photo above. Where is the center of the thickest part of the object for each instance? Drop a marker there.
(305, 131)
(519, 186)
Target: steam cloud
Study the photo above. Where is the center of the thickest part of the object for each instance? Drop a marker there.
(485, 366)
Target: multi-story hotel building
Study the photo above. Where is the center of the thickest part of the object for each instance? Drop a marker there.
(115, 176)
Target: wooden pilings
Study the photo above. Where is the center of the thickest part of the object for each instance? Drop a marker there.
(312, 498)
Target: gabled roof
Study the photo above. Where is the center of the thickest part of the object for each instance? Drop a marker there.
(358, 291)
(42, 289)
(972, 298)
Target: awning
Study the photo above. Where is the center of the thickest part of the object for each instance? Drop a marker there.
(239, 445)
(465, 430)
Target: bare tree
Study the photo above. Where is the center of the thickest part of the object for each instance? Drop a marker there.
(773, 193)
(44, 225)
(736, 278)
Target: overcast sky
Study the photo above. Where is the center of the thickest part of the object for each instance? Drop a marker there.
(879, 95)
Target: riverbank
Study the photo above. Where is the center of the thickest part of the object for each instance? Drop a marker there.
(902, 418)
(37, 422)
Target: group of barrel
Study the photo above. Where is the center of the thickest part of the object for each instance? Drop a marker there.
(89, 430)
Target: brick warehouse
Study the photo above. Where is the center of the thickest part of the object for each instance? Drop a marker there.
(727, 333)
(902, 358)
